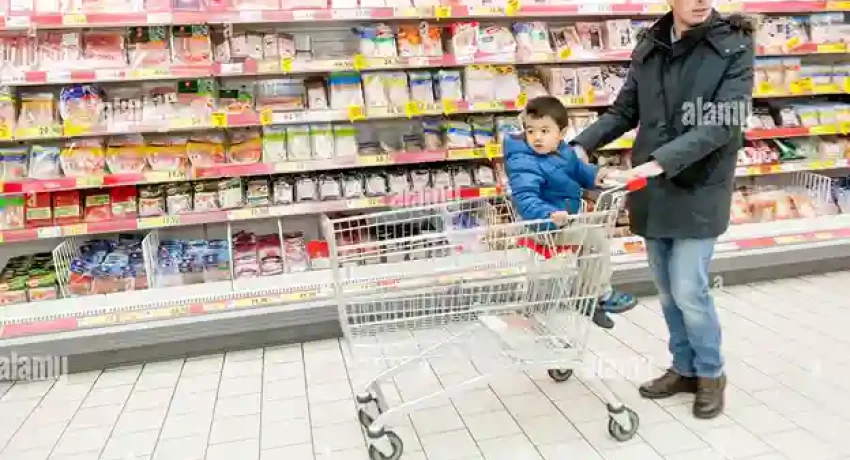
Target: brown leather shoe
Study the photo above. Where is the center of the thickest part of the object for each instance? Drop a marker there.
(710, 399)
(668, 385)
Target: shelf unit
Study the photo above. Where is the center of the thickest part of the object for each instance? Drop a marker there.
(161, 316)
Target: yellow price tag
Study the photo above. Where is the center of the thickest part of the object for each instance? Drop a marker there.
(838, 6)
(732, 7)
(266, 117)
(219, 120)
(286, 65)
(824, 130)
(512, 7)
(413, 109)
(442, 12)
(847, 85)
(493, 150)
(487, 192)
(449, 106)
(832, 48)
(72, 230)
(765, 87)
(815, 165)
(365, 203)
(165, 176)
(574, 100)
(5, 132)
(789, 239)
(74, 19)
(565, 53)
(374, 160)
(793, 43)
(157, 222)
(185, 123)
(300, 296)
(462, 154)
(845, 127)
(522, 99)
(87, 182)
(359, 62)
(73, 130)
(150, 73)
(355, 113)
(801, 86)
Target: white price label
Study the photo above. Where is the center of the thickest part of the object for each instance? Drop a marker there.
(160, 18)
(251, 16)
(60, 76)
(594, 8)
(351, 14)
(288, 117)
(304, 15)
(232, 69)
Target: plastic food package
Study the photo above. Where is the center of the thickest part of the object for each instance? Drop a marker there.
(421, 87)
(13, 163)
(532, 38)
(345, 90)
(410, 41)
(83, 158)
(38, 210)
(60, 50)
(148, 47)
(375, 184)
(496, 40)
(295, 253)
(98, 206)
(619, 34)
(104, 49)
(306, 189)
(398, 182)
(329, 188)
(191, 44)
(374, 90)
(281, 94)
(448, 85)
(12, 212)
(152, 200)
(37, 110)
(206, 196)
(178, 198)
(283, 191)
(397, 89)
(67, 207)
(206, 149)
(458, 135)
(345, 141)
(274, 144)
(230, 193)
(124, 202)
(463, 41)
(83, 105)
(322, 139)
(167, 153)
(298, 145)
(126, 154)
(483, 130)
(352, 186)
(377, 41)
(246, 146)
(258, 192)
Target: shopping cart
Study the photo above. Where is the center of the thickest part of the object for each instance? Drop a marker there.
(415, 282)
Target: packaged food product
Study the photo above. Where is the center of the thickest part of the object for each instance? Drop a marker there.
(12, 211)
(458, 135)
(496, 40)
(298, 145)
(13, 163)
(152, 200)
(38, 110)
(352, 186)
(345, 141)
(206, 149)
(295, 253)
(68, 207)
(230, 193)
(376, 40)
(126, 154)
(464, 38)
(191, 44)
(329, 188)
(258, 192)
(147, 47)
(410, 41)
(98, 206)
(82, 158)
(167, 153)
(449, 85)
(284, 190)
(322, 139)
(532, 38)
(246, 146)
(83, 106)
(274, 144)
(306, 189)
(178, 198)
(375, 184)
(104, 48)
(345, 90)
(123, 201)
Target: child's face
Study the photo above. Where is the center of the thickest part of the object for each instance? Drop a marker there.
(542, 134)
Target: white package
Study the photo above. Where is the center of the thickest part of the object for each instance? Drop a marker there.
(274, 144)
(421, 87)
(298, 143)
(374, 89)
(448, 85)
(322, 139)
(480, 83)
(345, 141)
(496, 40)
(464, 39)
(398, 92)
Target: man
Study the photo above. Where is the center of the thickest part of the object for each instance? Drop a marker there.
(691, 61)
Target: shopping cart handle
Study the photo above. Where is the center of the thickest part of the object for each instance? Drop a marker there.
(631, 185)
(636, 184)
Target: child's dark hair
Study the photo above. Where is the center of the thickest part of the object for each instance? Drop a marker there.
(548, 106)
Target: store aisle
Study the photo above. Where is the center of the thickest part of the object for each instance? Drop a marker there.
(789, 398)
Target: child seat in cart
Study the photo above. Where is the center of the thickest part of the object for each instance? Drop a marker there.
(413, 283)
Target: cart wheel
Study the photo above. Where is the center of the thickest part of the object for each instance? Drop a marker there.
(560, 375)
(365, 418)
(616, 430)
(365, 398)
(395, 443)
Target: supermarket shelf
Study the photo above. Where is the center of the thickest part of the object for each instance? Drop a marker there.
(147, 223)
(790, 166)
(216, 15)
(291, 66)
(206, 323)
(253, 169)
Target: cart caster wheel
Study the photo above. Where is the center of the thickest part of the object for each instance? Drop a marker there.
(560, 375)
(365, 418)
(616, 430)
(396, 445)
(365, 398)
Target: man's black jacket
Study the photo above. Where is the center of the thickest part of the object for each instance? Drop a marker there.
(690, 99)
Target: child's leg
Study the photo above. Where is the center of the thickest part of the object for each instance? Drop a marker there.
(611, 300)
(590, 270)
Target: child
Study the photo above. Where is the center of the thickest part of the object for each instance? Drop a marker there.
(546, 180)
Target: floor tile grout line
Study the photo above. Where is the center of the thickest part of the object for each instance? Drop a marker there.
(307, 399)
(120, 413)
(215, 403)
(168, 408)
(79, 407)
(262, 385)
(24, 421)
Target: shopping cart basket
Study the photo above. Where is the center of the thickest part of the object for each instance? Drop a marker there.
(413, 282)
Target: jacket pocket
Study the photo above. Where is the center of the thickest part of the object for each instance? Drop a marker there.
(699, 173)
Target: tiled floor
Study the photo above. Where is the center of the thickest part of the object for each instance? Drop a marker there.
(788, 354)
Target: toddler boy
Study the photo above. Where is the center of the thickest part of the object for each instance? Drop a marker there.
(547, 178)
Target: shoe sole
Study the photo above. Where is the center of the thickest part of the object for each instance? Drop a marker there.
(647, 395)
(709, 415)
(620, 311)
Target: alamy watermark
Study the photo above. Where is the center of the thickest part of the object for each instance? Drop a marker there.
(16, 367)
(707, 113)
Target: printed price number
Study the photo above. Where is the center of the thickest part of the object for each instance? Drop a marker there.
(186, 123)
(575, 100)
(291, 166)
(442, 12)
(74, 19)
(164, 176)
(91, 181)
(150, 73)
(488, 192)
(219, 120)
(365, 203)
(801, 86)
(304, 15)
(413, 109)
(300, 296)
(77, 229)
(49, 232)
(260, 301)
(374, 160)
(463, 154)
(493, 150)
(356, 113)
(594, 8)
(512, 7)
(792, 239)
(250, 213)
(157, 222)
(5, 132)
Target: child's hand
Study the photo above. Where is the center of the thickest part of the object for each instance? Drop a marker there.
(601, 175)
(560, 218)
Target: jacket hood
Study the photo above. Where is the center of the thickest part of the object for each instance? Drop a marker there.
(516, 145)
(718, 30)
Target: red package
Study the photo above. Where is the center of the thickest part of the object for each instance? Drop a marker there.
(124, 202)
(97, 206)
(67, 207)
(38, 210)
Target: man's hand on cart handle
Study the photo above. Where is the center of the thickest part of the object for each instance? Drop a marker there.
(560, 218)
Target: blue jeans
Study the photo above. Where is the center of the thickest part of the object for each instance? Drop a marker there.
(680, 269)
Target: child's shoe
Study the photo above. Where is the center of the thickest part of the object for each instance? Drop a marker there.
(601, 319)
(617, 302)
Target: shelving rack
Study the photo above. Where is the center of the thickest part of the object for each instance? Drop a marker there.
(140, 325)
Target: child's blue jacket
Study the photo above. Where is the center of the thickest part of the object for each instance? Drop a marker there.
(543, 184)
